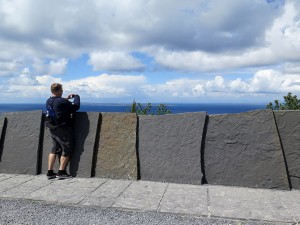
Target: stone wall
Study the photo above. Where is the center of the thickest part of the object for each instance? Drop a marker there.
(251, 149)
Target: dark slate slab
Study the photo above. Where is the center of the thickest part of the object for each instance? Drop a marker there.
(169, 147)
(117, 158)
(288, 123)
(244, 150)
(85, 131)
(21, 143)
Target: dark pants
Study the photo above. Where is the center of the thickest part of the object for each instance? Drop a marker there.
(62, 139)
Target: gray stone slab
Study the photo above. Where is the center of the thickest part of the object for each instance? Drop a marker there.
(107, 193)
(85, 131)
(244, 150)
(170, 147)
(70, 191)
(26, 188)
(246, 203)
(185, 199)
(4, 177)
(21, 144)
(141, 195)
(288, 123)
(13, 182)
(291, 202)
(117, 158)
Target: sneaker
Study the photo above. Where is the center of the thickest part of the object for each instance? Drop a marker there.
(50, 174)
(63, 175)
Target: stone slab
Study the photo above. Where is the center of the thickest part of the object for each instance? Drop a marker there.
(170, 147)
(246, 203)
(85, 131)
(107, 193)
(71, 191)
(142, 195)
(117, 157)
(288, 123)
(13, 182)
(26, 188)
(291, 202)
(244, 150)
(185, 199)
(21, 143)
(4, 176)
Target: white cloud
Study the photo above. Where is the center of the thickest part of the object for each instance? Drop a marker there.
(199, 29)
(102, 86)
(280, 44)
(194, 36)
(57, 67)
(114, 61)
(261, 83)
(105, 86)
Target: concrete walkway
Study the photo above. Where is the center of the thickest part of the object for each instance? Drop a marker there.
(207, 201)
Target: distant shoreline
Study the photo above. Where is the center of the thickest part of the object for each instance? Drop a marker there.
(210, 108)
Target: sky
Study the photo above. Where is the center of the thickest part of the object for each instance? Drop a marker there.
(191, 51)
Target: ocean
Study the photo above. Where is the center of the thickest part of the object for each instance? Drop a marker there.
(220, 108)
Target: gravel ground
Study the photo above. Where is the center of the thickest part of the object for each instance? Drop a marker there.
(33, 212)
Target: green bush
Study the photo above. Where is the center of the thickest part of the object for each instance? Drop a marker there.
(139, 109)
(290, 103)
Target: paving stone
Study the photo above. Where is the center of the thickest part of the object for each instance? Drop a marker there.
(291, 202)
(21, 144)
(27, 187)
(13, 182)
(85, 131)
(107, 193)
(244, 150)
(170, 147)
(79, 182)
(141, 195)
(4, 177)
(185, 199)
(246, 203)
(117, 158)
(66, 191)
(288, 123)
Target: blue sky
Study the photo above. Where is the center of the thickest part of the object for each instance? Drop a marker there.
(197, 51)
